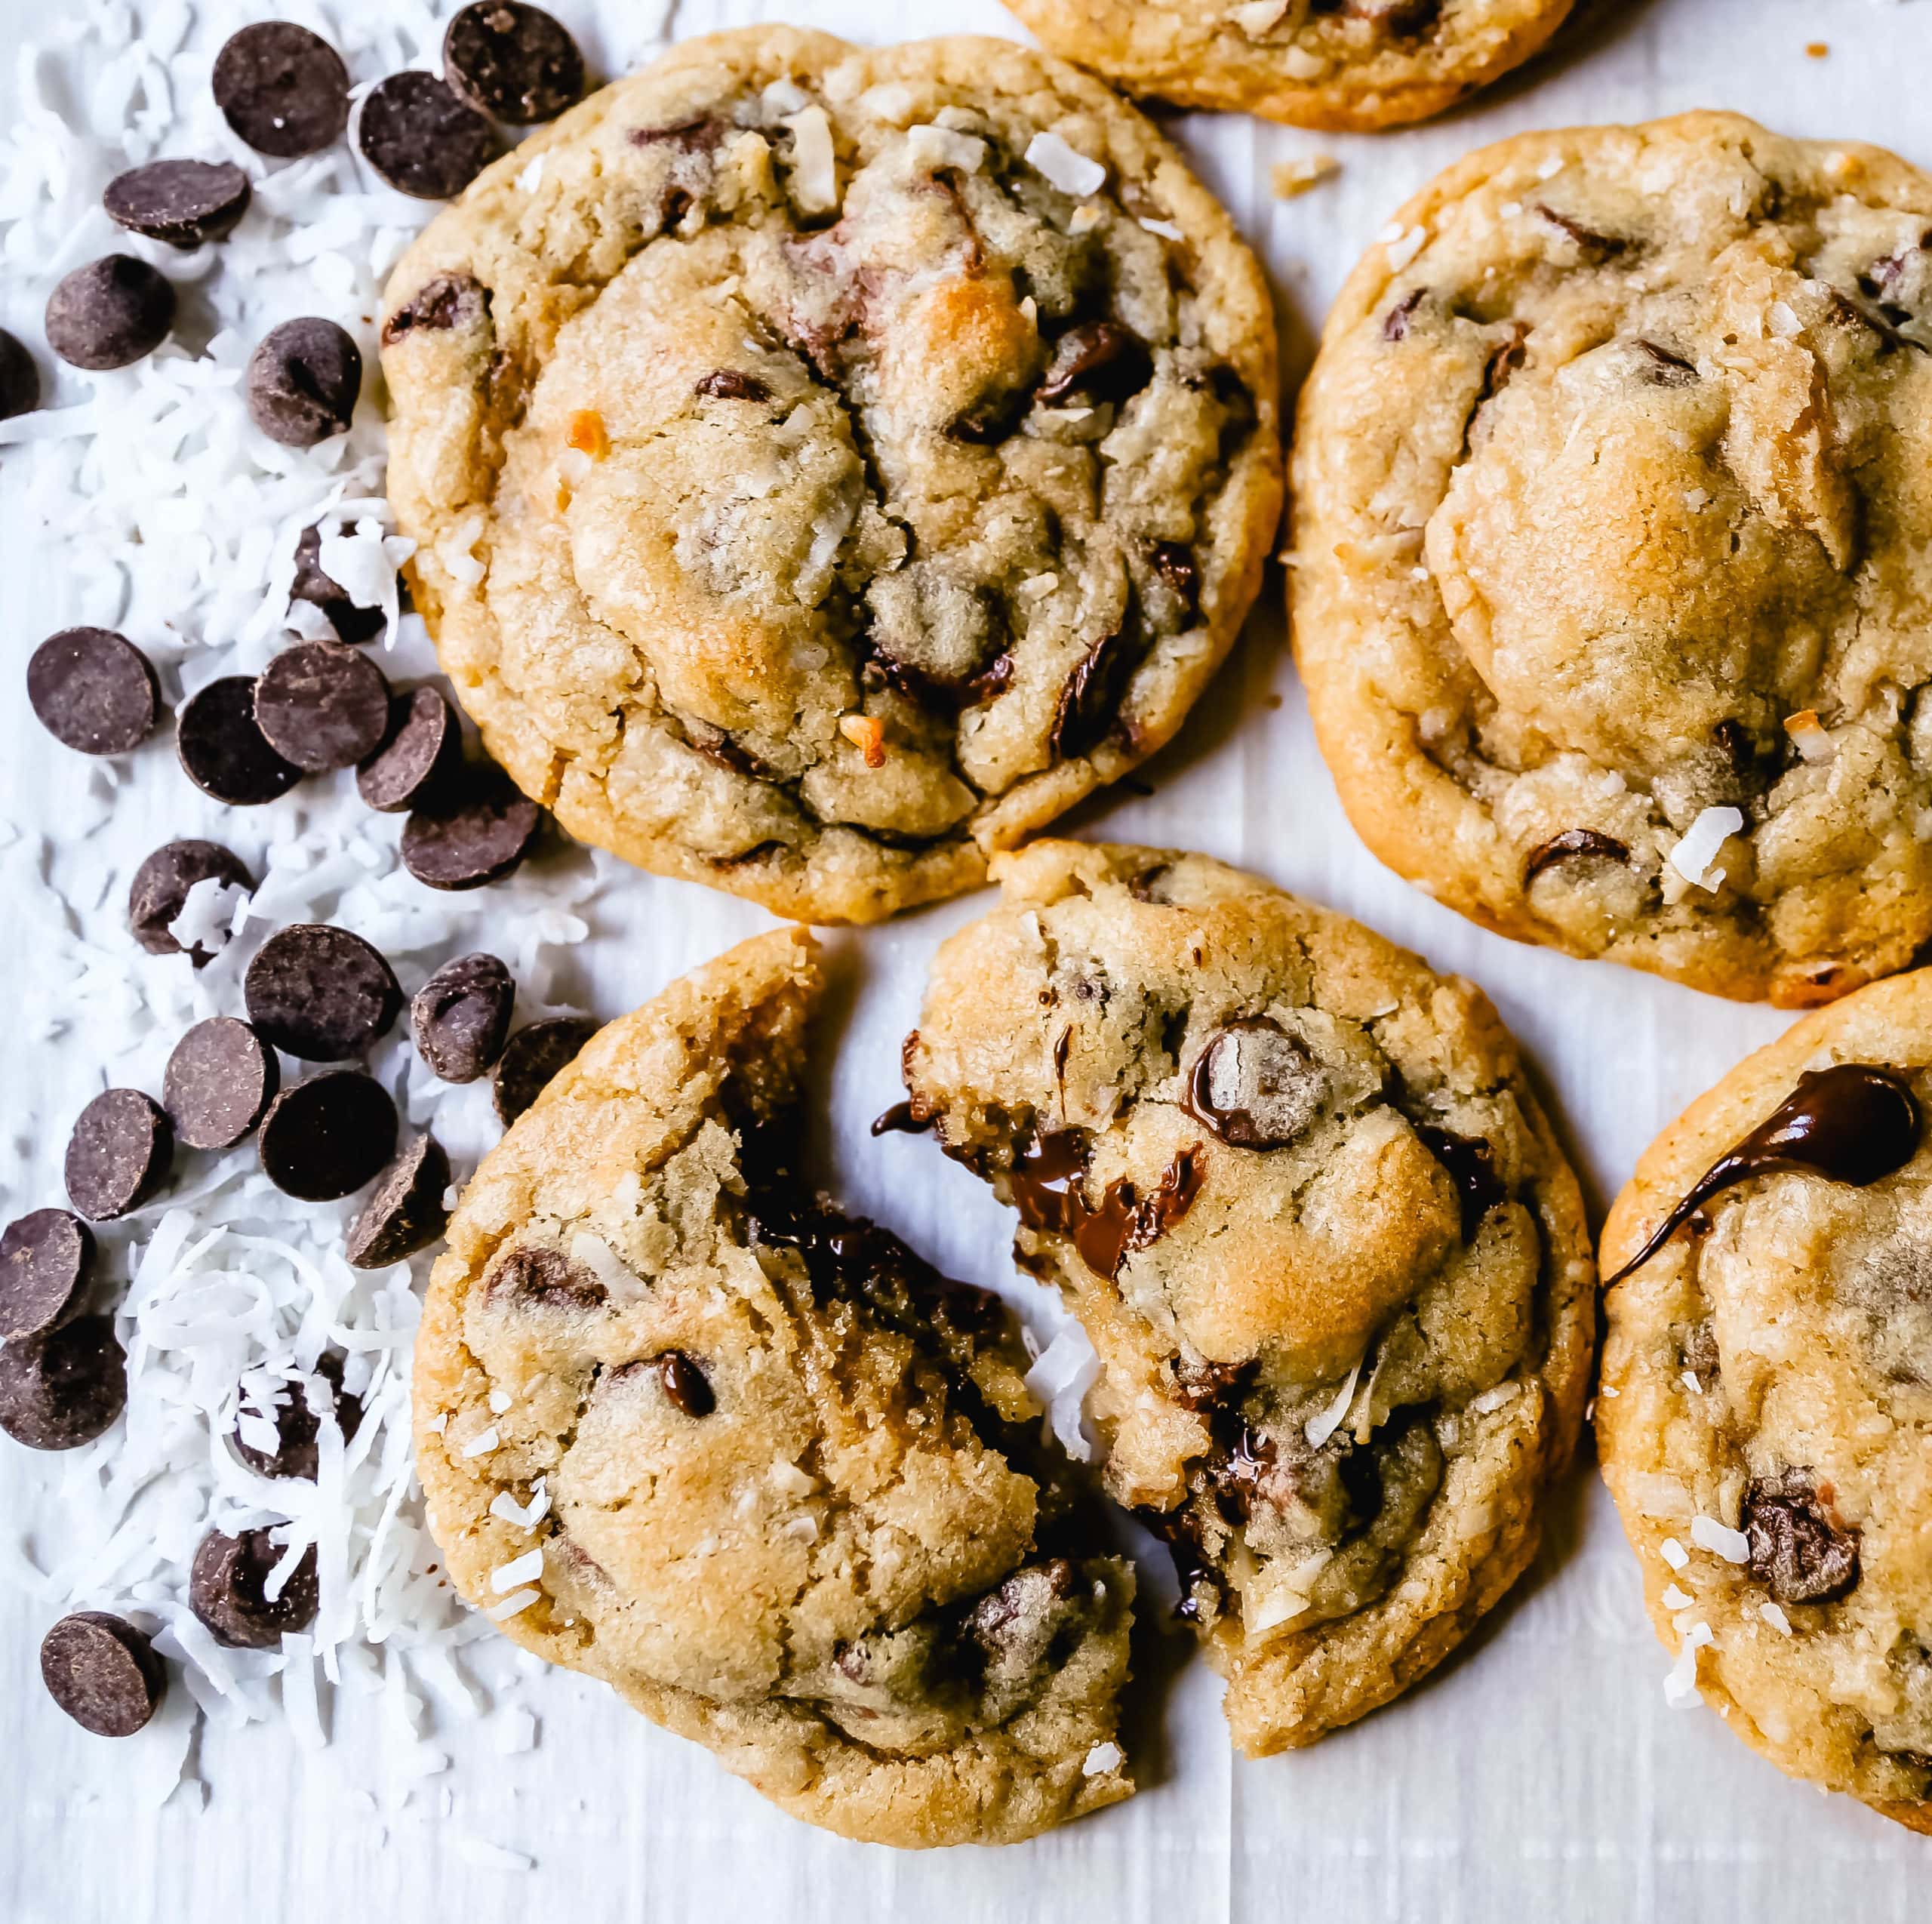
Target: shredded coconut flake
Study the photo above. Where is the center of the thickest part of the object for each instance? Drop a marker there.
(520, 1570)
(1166, 229)
(500, 1613)
(1673, 1553)
(1065, 167)
(1403, 248)
(1103, 1758)
(482, 1444)
(814, 162)
(1693, 857)
(1675, 1598)
(1319, 1428)
(1732, 1545)
(1065, 1371)
(932, 147)
(1680, 1684)
(1773, 1615)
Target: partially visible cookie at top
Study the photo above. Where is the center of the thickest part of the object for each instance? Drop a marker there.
(1348, 65)
(1765, 1416)
(683, 1426)
(1612, 573)
(827, 465)
(1298, 1192)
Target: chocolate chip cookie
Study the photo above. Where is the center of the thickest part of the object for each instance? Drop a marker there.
(828, 464)
(1349, 65)
(1333, 1263)
(1765, 1416)
(1611, 587)
(683, 1426)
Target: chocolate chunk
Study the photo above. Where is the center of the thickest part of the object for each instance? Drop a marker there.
(1572, 842)
(45, 1258)
(224, 753)
(219, 1082)
(94, 690)
(1395, 322)
(227, 1590)
(65, 1388)
(298, 1454)
(460, 1017)
(283, 91)
(907, 1117)
(728, 384)
(1595, 248)
(698, 135)
(547, 1278)
(447, 301)
(118, 1154)
(302, 382)
(1498, 371)
(686, 1385)
(533, 1055)
(420, 758)
(1850, 1123)
(406, 1213)
(1089, 700)
(1397, 16)
(103, 1672)
(1471, 1164)
(479, 835)
(320, 992)
(513, 61)
(110, 313)
(159, 892)
(324, 1138)
(183, 203)
(20, 378)
(1105, 361)
(1046, 1184)
(1797, 1545)
(321, 705)
(1203, 1386)
(1255, 1086)
(422, 137)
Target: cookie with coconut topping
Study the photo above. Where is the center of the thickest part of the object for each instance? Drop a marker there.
(1765, 1417)
(1610, 587)
(1296, 1188)
(1348, 65)
(828, 465)
(683, 1426)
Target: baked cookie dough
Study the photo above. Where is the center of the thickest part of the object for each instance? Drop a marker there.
(1335, 1266)
(1612, 586)
(1765, 1416)
(829, 464)
(1348, 65)
(683, 1426)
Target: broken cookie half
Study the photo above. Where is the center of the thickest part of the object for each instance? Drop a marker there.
(683, 1426)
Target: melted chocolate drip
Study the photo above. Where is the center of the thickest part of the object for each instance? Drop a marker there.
(1046, 1190)
(1471, 1163)
(905, 1117)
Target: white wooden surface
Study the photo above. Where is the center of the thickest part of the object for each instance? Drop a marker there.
(1539, 1776)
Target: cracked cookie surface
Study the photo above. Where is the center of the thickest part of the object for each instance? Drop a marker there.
(1334, 1264)
(1348, 65)
(1611, 591)
(753, 1463)
(829, 464)
(1765, 1417)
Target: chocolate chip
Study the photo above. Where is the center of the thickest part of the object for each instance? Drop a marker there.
(1256, 1086)
(65, 1388)
(422, 137)
(219, 1082)
(223, 752)
(20, 378)
(513, 61)
(103, 1672)
(118, 1154)
(728, 384)
(183, 203)
(297, 1453)
(1572, 843)
(1105, 360)
(324, 1138)
(94, 690)
(302, 382)
(1471, 1164)
(461, 1017)
(227, 1590)
(1505, 358)
(1174, 564)
(285, 91)
(1395, 322)
(352, 624)
(1088, 700)
(406, 1213)
(420, 759)
(447, 301)
(321, 705)
(546, 1278)
(110, 313)
(699, 134)
(686, 1385)
(1046, 1182)
(160, 892)
(320, 992)
(1796, 1546)
(479, 835)
(45, 1258)
(1595, 248)
(535, 1054)
(1662, 368)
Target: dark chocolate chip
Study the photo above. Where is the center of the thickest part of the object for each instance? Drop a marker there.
(1471, 1164)
(533, 1056)
(63, 1388)
(118, 1154)
(460, 1017)
(419, 760)
(447, 301)
(1505, 358)
(728, 384)
(45, 1258)
(686, 1385)
(103, 1672)
(93, 690)
(227, 1590)
(110, 313)
(1797, 1547)
(298, 1454)
(407, 1212)
(225, 754)
(302, 382)
(1255, 1086)
(699, 134)
(1104, 360)
(183, 203)
(219, 1082)
(1662, 368)
(1594, 247)
(161, 887)
(285, 91)
(1088, 700)
(513, 61)
(324, 1138)
(479, 835)
(352, 624)
(422, 137)
(1572, 843)
(20, 378)
(321, 705)
(546, 1278)
(1395, 322)
(320, 992)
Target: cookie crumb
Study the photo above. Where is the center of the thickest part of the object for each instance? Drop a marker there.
(1289, 178)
